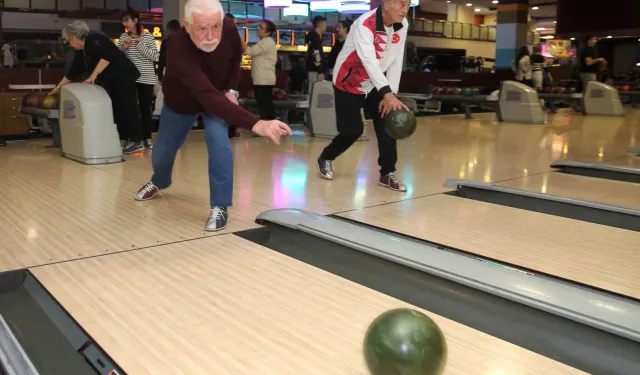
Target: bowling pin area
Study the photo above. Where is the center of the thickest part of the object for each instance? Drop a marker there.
(513, 251)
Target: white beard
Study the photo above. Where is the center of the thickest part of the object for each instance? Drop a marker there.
(209, 46)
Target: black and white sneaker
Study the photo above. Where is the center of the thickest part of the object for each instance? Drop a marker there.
(218, 218)
(326, 168)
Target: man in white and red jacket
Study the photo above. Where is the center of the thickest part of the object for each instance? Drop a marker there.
(367, 75)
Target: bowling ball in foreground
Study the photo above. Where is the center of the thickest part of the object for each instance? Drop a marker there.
(404, 342)
(400, 124)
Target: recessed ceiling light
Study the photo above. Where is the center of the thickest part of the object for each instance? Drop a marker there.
(477, 9)
(609, 37)
(495, 1)
(539, 28)
(555, 21)
(469, 4)
(535, 8)
(448, 1)
(573, 38)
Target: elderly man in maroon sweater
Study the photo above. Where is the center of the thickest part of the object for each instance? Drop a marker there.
(203, 65)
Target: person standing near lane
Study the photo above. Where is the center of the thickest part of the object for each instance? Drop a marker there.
(367, 75)
(264, 56)
(203, 66)
(140, 47)
(342, 30)
(315, 53)
(109, 67)
(590, 62)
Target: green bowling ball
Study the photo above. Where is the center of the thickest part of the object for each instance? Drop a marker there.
(467, 92)
(405, 342)
(400, 124)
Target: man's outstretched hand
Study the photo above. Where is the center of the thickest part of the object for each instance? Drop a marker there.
(272, 129)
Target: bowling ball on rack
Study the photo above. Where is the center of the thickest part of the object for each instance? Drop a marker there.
(51, 102)
(35, 100)
(476, 91)
(438, 91)
(572, 90)
(404, 341)
(467, 92)
(25, 99)
(457, 91)
(400, 124)
(539, 89)
(562, 90)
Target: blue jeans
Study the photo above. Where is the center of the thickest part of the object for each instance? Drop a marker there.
(173, 131)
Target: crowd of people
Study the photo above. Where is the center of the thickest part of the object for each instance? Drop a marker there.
(198, 72)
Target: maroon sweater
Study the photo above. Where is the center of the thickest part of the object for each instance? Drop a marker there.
(195, 80)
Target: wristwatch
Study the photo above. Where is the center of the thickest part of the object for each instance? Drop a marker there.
(234, 92)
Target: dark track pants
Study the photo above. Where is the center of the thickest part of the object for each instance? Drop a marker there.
(350, 128)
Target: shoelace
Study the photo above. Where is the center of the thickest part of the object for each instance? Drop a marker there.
(216, 213)
(393, 178)
(148, 187)
(327, 165)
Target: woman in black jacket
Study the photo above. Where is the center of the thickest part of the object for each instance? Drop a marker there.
(342, 30)
(111, 69)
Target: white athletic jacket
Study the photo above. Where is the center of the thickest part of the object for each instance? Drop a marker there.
(370, 51)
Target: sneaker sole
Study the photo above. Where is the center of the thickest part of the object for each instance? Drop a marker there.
(390, 188)
(146, 199)
(217, 229)
(133, 152)
(326, 177)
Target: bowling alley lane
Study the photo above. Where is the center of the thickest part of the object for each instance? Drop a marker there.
(597, 190)
(224, 305)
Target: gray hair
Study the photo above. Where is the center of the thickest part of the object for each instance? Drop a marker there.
(77, 28)
(207, 7)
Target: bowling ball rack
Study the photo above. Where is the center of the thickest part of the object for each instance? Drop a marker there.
(53, 118)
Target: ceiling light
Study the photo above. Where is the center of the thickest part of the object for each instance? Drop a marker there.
(478, 9)
(609, 37)
(539, 28)
(547, 37)
(469, 4)
(448, 1)
(555, 21)
(535, 8)
(573, 38)
(495, 2)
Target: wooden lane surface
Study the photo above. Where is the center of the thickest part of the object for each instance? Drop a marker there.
(591, 254)
(598, 190)
(55, 209)
(223, 305)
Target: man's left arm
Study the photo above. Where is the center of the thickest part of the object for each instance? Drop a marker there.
(394, 73)
(236, 58)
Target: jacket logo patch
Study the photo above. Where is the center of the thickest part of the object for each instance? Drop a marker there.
(395, 38)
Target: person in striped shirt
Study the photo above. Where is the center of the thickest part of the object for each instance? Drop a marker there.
(140, 48)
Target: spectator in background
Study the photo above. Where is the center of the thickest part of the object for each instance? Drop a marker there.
(110, 68)
(264, 56)
(315, 58)
(589, 62)
(140, 47)
(173, 26)
(342, 30)
(7, 55)
(523, 66)
(538, 67)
